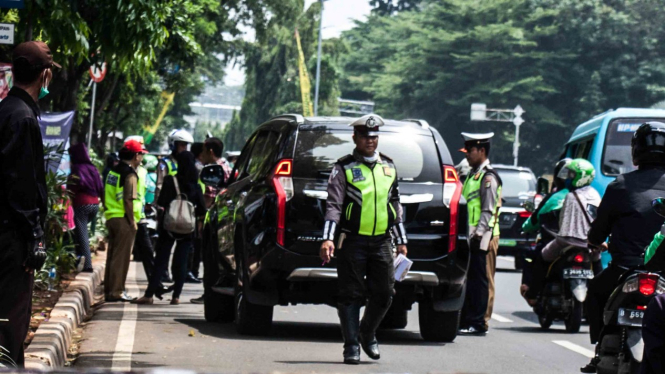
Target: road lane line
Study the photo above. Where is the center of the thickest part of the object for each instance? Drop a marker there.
(575, 348)
(499, 318)
(124, 346)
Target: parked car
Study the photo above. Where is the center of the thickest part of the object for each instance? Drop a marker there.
(519, 186)
(263, 234)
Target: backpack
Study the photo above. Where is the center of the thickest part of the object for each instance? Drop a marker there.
(180, 218)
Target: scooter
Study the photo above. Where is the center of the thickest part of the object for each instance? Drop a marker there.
(565, 288)
(621, 345)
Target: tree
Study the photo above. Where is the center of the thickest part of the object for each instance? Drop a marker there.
(385, 7)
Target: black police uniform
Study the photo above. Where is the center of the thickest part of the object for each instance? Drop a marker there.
(362, 256)
(625, 212)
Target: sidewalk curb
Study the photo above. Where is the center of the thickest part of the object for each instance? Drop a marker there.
(53, 338)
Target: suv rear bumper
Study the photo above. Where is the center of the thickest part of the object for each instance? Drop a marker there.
(423, 278)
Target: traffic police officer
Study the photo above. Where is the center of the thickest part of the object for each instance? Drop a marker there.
(363, 200)
(178, 141)
(482, 191)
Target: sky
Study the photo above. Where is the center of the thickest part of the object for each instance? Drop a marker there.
(338, 16)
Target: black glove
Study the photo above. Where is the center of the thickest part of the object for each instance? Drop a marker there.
(474, 243)
(36, 255)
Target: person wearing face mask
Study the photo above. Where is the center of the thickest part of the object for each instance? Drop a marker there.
(23, 203)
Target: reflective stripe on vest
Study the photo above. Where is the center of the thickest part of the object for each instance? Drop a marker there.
(471, 193)
(367, 198)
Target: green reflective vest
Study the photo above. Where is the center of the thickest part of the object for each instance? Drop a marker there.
(171, 166)
(113, 193)
(367, 209)
(141, 187)
(471, 193)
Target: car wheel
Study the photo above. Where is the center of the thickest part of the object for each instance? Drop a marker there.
(218, 308)
(545, 322)
(574, 320)
(437, 326)
(252, 319)
(396, 318)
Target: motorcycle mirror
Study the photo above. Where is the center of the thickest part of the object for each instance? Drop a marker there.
(529, 206)
(658, 205)
(212, 176)
(543, 186)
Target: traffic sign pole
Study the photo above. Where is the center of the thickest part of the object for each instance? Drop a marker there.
(92, 112)
(479, 112)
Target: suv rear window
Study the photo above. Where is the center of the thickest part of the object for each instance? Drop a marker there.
(415, 155)
(517, 183)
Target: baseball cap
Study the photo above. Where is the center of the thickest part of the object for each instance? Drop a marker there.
(134, 146)
(36, 54)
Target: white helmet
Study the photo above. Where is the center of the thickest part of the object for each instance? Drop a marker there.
(180, 136)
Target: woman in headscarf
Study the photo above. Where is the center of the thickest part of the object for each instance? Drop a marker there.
(187, 179)
(85, 186)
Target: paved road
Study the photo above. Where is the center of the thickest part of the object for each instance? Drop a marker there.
(307, 339)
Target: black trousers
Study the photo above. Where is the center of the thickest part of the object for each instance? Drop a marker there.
(477, 290)
(600, 290)
(15, 295)
(195, 256)
(143, 247)
(365, 270)
(179, 265)
(653, 333)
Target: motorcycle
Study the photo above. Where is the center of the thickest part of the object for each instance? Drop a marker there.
(565, 288)
(621, 345)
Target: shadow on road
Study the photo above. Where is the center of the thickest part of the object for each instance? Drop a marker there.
(303, 332)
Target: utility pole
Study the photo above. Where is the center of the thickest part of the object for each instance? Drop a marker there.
(318, 64)
(479, 112)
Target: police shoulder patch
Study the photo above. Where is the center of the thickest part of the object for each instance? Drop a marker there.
(488, 181)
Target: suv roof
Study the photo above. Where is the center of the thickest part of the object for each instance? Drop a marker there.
(511, 167)
(414, 125)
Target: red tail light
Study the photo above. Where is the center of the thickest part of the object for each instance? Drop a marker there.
(641, 307)
(452, 190)
(647, 283)
(579, 258)
(524, 214)
(283, 184)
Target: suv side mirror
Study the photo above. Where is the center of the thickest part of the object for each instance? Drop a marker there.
(212, 176)
(658, 205)
(543, 187)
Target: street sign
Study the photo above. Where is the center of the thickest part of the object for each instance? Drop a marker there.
(478, 112)
(6, 33)
(12, 4)
(96, 74)
(518, 121)
(518, 111)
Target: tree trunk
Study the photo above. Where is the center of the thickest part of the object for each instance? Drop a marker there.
(107, 96)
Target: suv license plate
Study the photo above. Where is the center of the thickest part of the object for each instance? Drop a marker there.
(577, 273)
(630, 317)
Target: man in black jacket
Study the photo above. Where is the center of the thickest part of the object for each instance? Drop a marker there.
(625, 212)
(22, 192)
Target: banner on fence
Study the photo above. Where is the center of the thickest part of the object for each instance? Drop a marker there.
(55, 136)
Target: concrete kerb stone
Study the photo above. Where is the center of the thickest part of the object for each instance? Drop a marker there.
(53, 338)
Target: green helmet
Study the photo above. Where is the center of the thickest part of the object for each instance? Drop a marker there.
(580, 173)
(150, 162)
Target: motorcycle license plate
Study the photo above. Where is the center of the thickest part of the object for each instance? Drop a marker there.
(577, 274)
(630, 317)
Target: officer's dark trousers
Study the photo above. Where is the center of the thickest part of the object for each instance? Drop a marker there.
(143, 246)
(653, 333)
(600, 290)
(477, 290)
(15, 295)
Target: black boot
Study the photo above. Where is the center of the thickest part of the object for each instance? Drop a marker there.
(349, 319)
(374, 313)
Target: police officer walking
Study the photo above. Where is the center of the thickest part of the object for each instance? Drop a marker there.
(363, 200)
(482, 191)
(178, 141)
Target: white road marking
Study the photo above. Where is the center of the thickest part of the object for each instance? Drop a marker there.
(499, 318)
(574, 347)
(124, 346)
(504, 258)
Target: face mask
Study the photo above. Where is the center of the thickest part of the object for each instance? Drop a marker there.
(44, 90)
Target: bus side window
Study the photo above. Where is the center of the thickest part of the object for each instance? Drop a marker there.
(582, 150)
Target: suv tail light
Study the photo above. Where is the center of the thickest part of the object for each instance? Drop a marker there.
(524, 214)
(647, 283)
(452, 190)
(283, 184)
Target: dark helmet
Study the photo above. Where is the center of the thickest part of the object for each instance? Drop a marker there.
(560, 171)
(648, 144)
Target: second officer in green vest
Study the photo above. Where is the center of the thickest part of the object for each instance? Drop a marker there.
(363, 204)
(482, 191)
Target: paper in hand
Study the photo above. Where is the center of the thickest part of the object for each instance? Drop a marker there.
(402, 266)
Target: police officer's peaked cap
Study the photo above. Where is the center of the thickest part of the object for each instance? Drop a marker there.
(476, 139)
(368, 125)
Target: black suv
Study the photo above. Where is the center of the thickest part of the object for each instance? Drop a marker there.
(262, 235)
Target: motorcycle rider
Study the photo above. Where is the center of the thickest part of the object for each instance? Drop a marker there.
(546, 213)
(576, 216)
(626, 213)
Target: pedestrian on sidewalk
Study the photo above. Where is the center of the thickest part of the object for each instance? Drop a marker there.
(123, 211)
(85, 186)
(194, 260)
(23, 201)
(187, 182)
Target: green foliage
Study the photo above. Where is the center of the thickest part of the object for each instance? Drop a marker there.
(562, 61)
